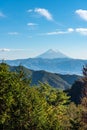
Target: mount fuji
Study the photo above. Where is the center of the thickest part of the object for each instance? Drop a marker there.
(51, 61)
(52, 54)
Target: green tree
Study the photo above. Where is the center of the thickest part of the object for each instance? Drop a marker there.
(31, 108)
(57, 111)
(13, 100)
(84, 98)
(74, 114)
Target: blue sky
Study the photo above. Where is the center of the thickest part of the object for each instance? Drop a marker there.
(30, 27)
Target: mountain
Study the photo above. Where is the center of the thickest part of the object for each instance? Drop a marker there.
(59, 65)
(50, 78)
(71, 84)
(52, 54)
(55, 80)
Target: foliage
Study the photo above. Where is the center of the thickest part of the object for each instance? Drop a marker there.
(23, 107)
(84, 99)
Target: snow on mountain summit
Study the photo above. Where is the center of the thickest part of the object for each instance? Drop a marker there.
(52, 54)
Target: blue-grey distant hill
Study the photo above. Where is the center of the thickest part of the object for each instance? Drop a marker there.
(55, 80)
(63, 65)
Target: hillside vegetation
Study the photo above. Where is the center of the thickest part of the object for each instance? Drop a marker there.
(42, 107)
(55, 80)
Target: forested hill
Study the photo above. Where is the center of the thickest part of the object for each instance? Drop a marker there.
(42, 107)
(53, 79)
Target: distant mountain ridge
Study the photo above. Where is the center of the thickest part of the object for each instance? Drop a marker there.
(71, 84)
(59, 65)
(52, 54)
(49, 62)
(55, 80)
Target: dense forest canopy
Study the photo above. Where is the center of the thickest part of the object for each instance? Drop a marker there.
(42, 107)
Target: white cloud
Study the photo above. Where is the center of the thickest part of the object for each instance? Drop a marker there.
(1, 14)
(4, 49)
(9, 50)
(82, 13)
(13, 33)
(82, 31)
(69, 30)
(32, 24)
(55, 33)
(44, 12)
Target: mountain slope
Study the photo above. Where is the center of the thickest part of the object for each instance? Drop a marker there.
(55, 80)
(52, 54)
(70, 79)
(50, 78)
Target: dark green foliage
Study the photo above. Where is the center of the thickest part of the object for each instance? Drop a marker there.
(13, 101)
(34, 108)
(75, 92)
(84, 98)
(74, 113)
